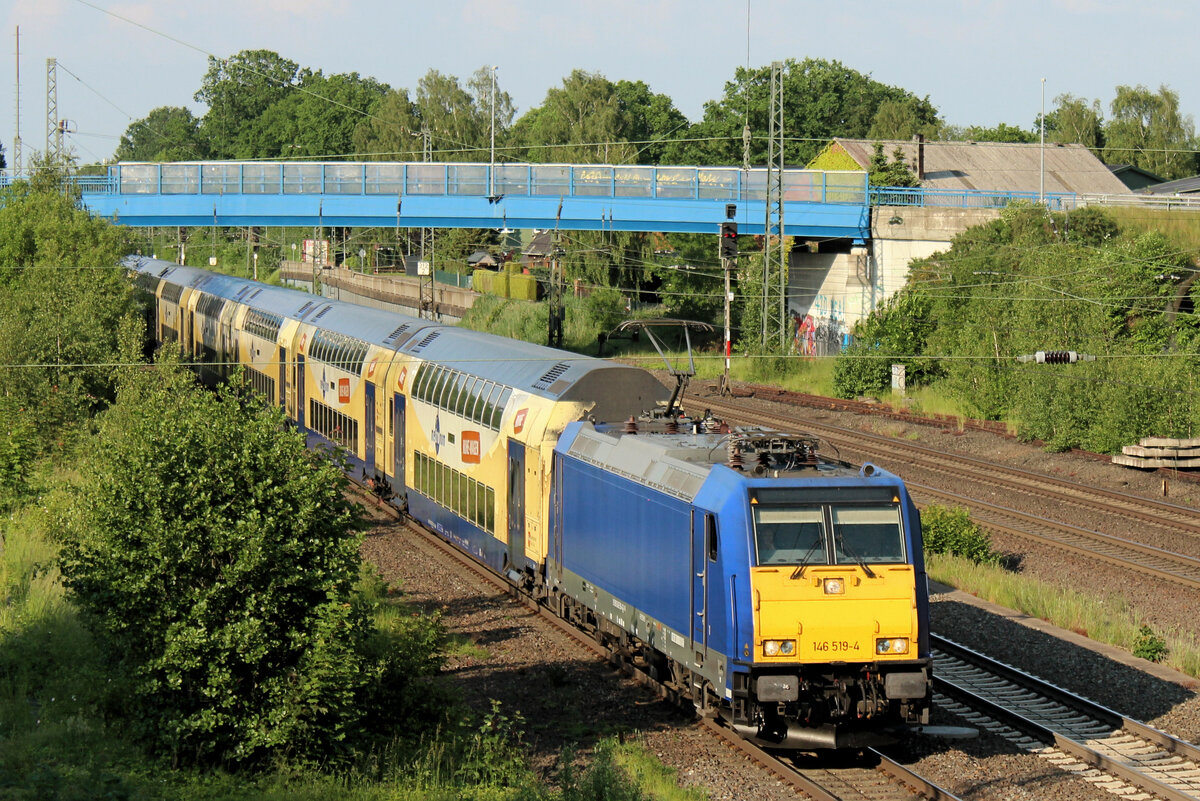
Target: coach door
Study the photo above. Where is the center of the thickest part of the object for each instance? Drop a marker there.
(300, 390)
(398, 449)
(283, 379)
(516, 503)
(369, 428)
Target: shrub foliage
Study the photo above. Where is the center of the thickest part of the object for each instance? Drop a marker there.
(217, 559)
(1034, 280)
(951, 531)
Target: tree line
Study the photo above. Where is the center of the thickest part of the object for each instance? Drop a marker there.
(261, 105)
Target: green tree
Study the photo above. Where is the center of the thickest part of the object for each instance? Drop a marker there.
(890, 173)
(457, 120)
(821, 100)
(1074, 121)
(237, 91)
(392, 132)
(61, 297)
(582, 122)
(168, 133)
(903, 119)
(1147, 130)
(1000, 133)
(216, 557)
(317, 120)
(653, 120)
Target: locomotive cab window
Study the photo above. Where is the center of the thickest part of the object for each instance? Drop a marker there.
(867, 534)
(790, 536)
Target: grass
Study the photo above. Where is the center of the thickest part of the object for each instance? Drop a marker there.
(461, 647)
(656, 780)
(1177, 225)
(1103, 618)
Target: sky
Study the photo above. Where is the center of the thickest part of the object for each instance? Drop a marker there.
(980, 62)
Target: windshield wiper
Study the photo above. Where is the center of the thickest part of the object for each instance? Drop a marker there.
(857, 559)
(812, 550)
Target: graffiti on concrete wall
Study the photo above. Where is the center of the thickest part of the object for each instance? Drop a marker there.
(817, 336)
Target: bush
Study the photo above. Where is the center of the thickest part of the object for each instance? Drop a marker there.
(1150, 646)
(216, 558)
(951, 531)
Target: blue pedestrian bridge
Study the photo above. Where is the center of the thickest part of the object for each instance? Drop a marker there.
(592, 197)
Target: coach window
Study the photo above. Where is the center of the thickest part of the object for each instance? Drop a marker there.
(490, 396)
(446, 389)
(481, 392)
(439, 384)
(498, 411)
(418, 383)
(466, 398)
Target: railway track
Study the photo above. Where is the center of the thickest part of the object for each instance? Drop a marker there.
(875, 778)
(1117, 753)
(1177, 568)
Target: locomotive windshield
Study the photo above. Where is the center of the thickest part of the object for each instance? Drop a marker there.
(822, 535)
(867, 534)
(790, 536)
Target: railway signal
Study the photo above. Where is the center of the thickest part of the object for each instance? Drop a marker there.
(729, 245)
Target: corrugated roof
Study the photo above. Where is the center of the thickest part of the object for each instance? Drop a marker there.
(1181, 186)
(998, 166)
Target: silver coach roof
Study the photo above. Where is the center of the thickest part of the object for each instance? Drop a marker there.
(616, 390)
(361, 322)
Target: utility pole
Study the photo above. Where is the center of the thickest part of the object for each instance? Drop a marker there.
(16, 165)
(1042, 166)
(727, 249)
(424, 265)
(557, 314)
(492, 166)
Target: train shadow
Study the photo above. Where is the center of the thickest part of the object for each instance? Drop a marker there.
(567, 702)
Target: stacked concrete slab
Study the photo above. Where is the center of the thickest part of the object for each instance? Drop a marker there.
(1153, 452)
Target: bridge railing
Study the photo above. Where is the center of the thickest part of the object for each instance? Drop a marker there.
(966, 198)
(459, 179)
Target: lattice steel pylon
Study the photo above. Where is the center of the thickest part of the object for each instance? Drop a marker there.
(775, 273)
(53, 130)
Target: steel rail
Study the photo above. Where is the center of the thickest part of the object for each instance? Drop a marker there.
(1055, 719)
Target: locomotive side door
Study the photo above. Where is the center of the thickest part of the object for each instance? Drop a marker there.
(516, 503)
(704, 551)
(398, 449)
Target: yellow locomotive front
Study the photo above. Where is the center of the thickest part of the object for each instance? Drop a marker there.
(838, 600)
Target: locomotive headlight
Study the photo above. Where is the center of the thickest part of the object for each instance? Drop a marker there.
(834, 586)
(779, 647)
(898, 645)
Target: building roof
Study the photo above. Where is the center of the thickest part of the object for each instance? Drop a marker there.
(481, 258)
(540, 244)
(996, 166)
(1180, 186)
(1134, 176)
